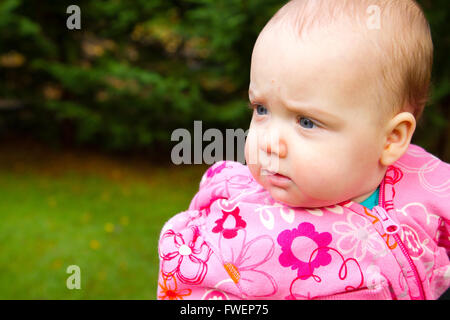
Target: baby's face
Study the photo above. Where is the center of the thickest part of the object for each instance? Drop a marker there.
(314, 121)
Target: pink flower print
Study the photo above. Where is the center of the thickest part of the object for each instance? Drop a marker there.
(186, 260)
(215, 169)
(243, 262)
(393, 175)
(341, 273)
(411, 239)
(240, 181)
(215, 294)
(304, 249)
(211, 175)
(229, 224)
(358, 237)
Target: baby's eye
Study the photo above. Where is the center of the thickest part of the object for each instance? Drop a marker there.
(261, 110)
(306, 123)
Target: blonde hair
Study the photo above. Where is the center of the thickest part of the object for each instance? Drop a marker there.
(402, 44)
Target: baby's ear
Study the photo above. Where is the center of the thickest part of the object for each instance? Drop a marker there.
(398, 134)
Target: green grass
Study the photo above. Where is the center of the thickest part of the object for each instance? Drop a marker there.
(101, 215)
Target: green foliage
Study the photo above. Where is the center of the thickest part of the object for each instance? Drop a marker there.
(137, 70)
(434, 131)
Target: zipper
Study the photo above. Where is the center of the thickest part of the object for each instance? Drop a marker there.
(392, 228)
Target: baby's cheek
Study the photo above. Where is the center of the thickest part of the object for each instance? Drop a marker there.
(306, 173)
(246, 152)
(315, 179)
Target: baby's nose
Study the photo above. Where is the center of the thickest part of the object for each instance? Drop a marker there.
(275, 145)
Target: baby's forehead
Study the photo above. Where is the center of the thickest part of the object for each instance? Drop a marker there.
(334, 31)
(311, 22)
(382, 21)
(279, 47)
(303, 16)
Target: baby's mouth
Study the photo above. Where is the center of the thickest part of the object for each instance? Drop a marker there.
(275, 178)
(266, 172)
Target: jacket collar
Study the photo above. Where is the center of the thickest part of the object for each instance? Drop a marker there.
(386, 195)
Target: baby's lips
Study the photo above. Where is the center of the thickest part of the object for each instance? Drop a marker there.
(268, 172)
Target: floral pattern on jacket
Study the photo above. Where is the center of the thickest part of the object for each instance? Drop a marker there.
(236, 242)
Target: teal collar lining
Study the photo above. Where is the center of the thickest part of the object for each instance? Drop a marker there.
(372, 201)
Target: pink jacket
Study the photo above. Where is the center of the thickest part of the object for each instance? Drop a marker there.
(236, 242)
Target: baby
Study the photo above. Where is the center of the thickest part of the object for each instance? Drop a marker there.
(335, 202)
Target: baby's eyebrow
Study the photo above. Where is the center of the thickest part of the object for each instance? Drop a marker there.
(309, 110)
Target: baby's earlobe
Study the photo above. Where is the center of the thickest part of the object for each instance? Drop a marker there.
(398, 137)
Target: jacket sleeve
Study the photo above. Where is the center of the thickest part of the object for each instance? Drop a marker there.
(443, 236)
(441, 274)
(443, 232)
(189, 267)
(217, 183)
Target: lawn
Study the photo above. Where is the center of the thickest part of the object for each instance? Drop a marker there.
(99, 213)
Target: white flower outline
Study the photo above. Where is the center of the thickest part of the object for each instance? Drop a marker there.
(357, 237)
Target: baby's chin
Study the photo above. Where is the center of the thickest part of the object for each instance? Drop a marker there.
(283, 197)
(295, 198)
(295, 203)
